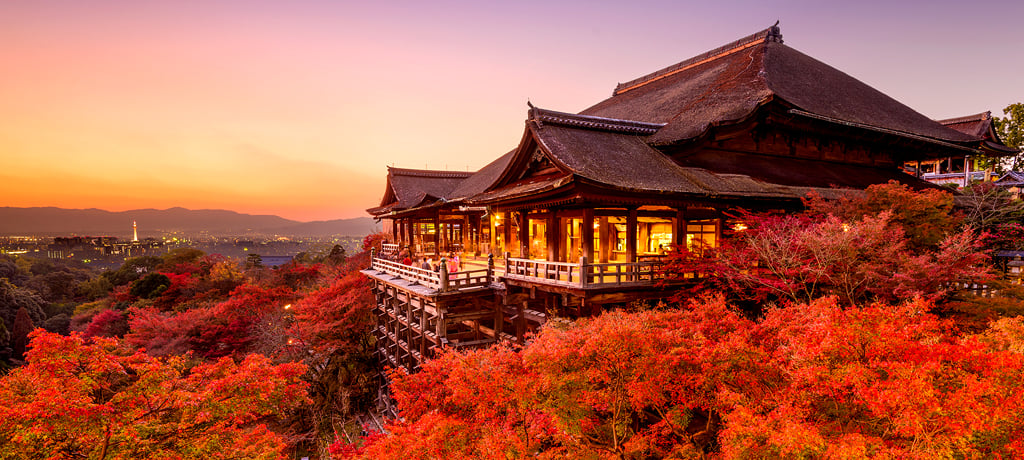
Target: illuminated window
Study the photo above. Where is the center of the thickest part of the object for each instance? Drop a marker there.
(701, 234)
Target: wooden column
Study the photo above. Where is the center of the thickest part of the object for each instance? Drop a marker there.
(679, 234)
(437, 234)
(492, 234)
(521, 321)
(467, 239)
(552, 236)
(499, 317)
(423, 329)
(604, 236)
(720, 221)
(588, 233)
(631, 235)
(506, 232)
(524, 235)
(394, 231)
(407, 228)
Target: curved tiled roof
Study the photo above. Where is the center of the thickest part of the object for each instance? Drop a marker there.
(729, 84)
(407, 188)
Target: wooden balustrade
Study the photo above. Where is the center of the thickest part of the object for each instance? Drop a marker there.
(646, 271)
(440, 280)
(389, 248)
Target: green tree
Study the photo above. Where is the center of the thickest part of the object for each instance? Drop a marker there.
(1011, 131)
(150, 285)
(19, 333)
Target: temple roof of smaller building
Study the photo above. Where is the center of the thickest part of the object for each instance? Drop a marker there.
(982, 126)
(1011, 178)
(407, 188)
(978, 124)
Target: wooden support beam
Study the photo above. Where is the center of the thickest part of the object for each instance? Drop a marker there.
(588, 233)
(493, 235)
(524, 235)
(631, 235)
(552, 237)
(506, 231)
(606, 239)
(499, 317)
(521, 322)
(437, 234)
(467, 238)
(679, 234)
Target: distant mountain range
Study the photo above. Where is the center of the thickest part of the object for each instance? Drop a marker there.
(153, 222)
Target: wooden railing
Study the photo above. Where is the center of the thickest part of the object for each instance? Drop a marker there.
(647, 270)
(423, 277)
(563, 273)
(389, 248)
(440, 280)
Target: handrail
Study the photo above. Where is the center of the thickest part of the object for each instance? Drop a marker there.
(440, 280)
(426, 278)
(389, 248)
(646, 271)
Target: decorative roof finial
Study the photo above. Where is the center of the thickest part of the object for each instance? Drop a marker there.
(774, 33)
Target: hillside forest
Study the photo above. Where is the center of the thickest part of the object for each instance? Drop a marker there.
(877, 325)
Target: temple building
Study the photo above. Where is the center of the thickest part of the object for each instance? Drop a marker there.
(964, 169)
(579, 215)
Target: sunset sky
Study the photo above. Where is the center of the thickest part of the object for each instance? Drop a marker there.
(296, 108)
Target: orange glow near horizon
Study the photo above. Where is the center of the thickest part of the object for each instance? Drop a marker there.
(296, 109)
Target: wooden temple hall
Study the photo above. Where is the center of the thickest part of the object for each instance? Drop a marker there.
(580, 214)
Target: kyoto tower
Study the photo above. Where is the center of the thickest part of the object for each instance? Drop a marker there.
(135, 232)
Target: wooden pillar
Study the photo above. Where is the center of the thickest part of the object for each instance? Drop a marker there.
(423, 329)
(506, 232)
(719, 222)
(467, 239)
(552, 236)
(524, 235)
(631, 235)
(410, 338)
(492, 234)
(394, 232)
(437, 234)
(588, 233)
(499, 316)
(408, 229)
(521, 321)
(606, 239)
(967, 171)
(679, 234)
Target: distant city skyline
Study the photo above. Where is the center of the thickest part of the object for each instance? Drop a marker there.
(296, 109)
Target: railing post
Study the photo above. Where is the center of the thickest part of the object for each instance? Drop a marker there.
(490, 268)
(444, 274)
(583, 271)
(507, 255)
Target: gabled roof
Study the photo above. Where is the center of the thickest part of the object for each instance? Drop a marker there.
(407, 188)
(980, 125)
(727, 85)
(1011, 178)
(482, 179)
(611, 153)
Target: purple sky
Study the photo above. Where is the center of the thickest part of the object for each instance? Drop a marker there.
(296, 108)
